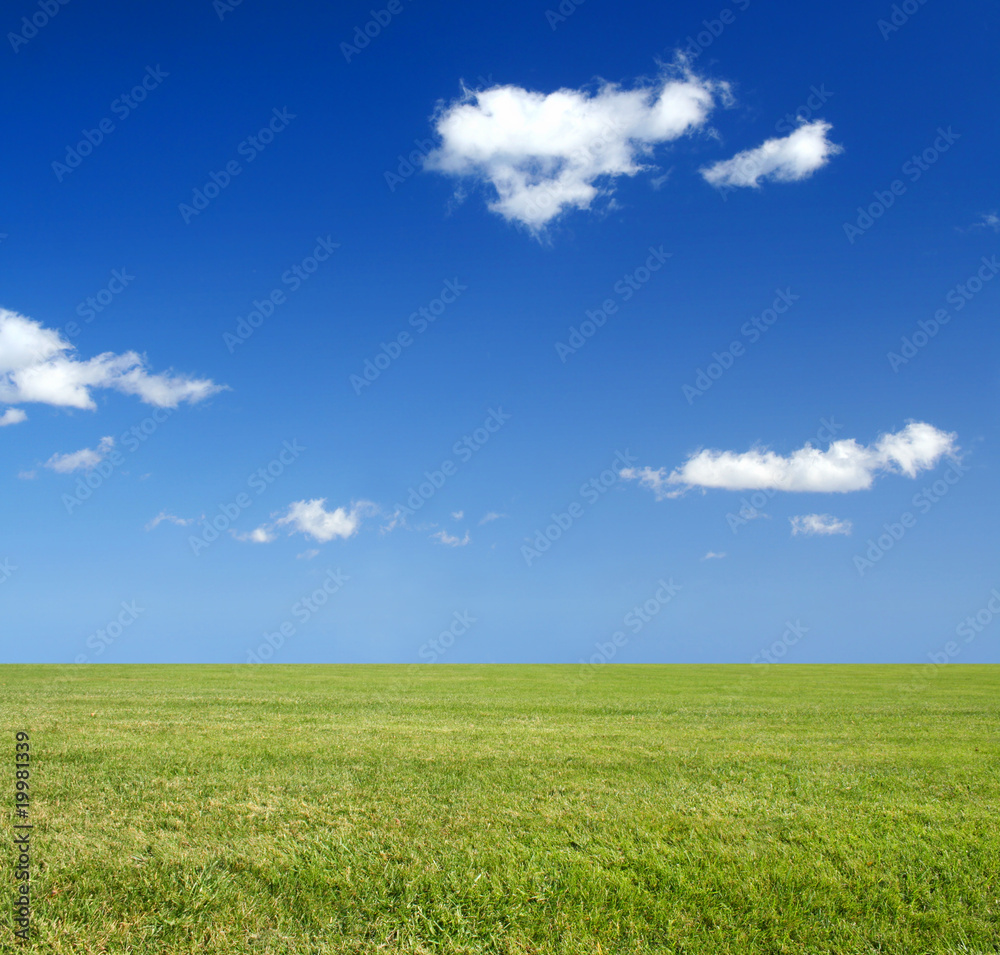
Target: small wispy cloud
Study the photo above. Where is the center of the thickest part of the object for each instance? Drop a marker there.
(712, 555)
(307, 554)
(988, 220)
(457, 515)
(86, 459)
(259, 535)
(810, 524)
(169, 518)
(396, 519)
(491, 516)
(450, 540)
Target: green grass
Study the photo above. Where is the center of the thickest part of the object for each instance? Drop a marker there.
(450, 809)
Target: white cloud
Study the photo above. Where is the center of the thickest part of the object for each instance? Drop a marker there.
(83, 460)
(38, 365)
(307, 554)
(546, 153)
(397, 519)
(655, 480)
(844, 466)
(445, 538)
(819, 524)
(457, 515)
(171, 518)
(796, 156)
(27, 475)
(12, 416)
(491, 516)
(312, 519)
(712, 555)
(259, 535)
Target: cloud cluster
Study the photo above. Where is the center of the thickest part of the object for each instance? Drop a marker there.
(547, 153)
(450, 540)
(312, 519)
(543, 154)
(810, 524)
(86, 459)
(796, 156)
(844, 466)
(38, 365)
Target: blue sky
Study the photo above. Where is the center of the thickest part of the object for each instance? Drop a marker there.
(220, 218)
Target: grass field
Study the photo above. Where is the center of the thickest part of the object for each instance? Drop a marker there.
(449, 809)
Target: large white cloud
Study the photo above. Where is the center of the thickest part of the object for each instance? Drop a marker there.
(796, 156)
(38, 365)
(545, 153)
(314, 520)
(83, 460)
(844, 466)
